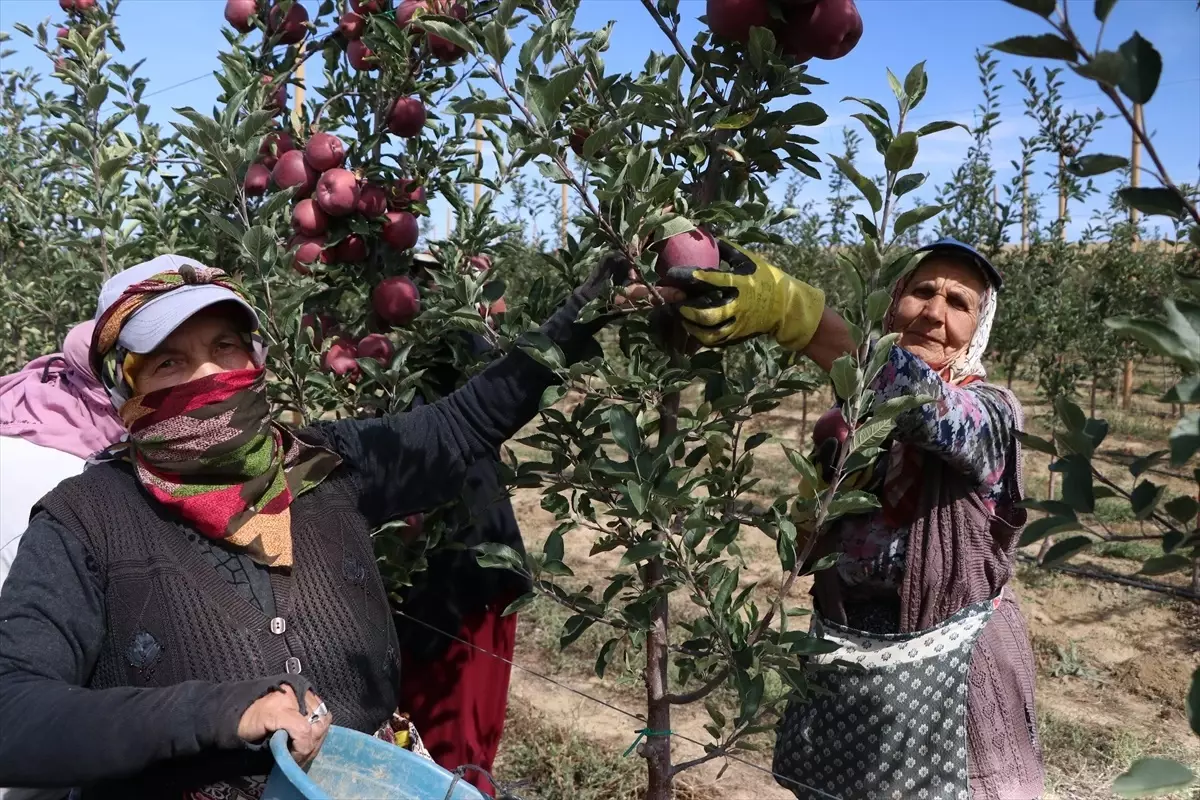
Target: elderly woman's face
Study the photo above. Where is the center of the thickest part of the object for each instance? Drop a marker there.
(939, 310)
(208, 342)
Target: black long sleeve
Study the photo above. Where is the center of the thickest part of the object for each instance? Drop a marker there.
(53, 732)
(418, 460)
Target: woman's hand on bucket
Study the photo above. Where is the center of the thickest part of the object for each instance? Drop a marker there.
(279, 710)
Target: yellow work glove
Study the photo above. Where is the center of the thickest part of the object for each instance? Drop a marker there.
(752, 297)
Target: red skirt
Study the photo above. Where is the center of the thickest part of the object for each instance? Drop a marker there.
(459, 701)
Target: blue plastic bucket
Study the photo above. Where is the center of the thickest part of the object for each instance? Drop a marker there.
(355, 766)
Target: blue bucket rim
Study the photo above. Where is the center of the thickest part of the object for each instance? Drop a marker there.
(292, 771)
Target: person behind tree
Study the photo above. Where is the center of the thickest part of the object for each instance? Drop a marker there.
(213, 581)
(940, 702)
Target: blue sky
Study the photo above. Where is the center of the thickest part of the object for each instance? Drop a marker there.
(180, 39)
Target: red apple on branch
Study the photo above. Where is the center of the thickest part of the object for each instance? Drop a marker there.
(258, 178)
(376, 346)
(240, 14)
(321, 325)
(309, 250)
(406, 10)
(369, 6)
(401, 230)
(361, 57)
(831, 425)
(289, 26)
(352, 26)
(480, 263)
(372, 200)
(405, 193)
(339, 359)
(308, 219)
(396, 300)
(337, 192)
(407, 117)
(293, 170)
(351, 250)
(826, 29)
(695, 248)
(324, 151)
(733, 19)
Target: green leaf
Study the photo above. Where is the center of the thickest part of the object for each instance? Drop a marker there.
(1042, 8)
(802, 465)
(1165, 564)
(1185, 439)
(1071, 415)
(1182, 508)
(259, 245)
(1059, 552)
(1077, 482)
(915, 216)
(873, 433)
(897, 89)
(1145, 463)
(1046, 45)
(1106, 67)
(939, 126)
(1102, 9)
(907, 183)
(605, 656)
(624, 429)
(1143, 65)
(901, 153)
(1037, 443)
(494, 555)
(674, 226)
(1087, 166)
(637, 495)
(97, 94)
(736, 122)
(641, 552)
(451, 30)
(878, 130)
(1047, 526)
(852, 503)
(1153, 777)
(521, 602)
(803, 114)
(1144, 499)
(112, 166)
(877, 107)
(554, 548)
(877, 304)
(1154, 200)
(865, 185)
(573, 628)
(893, 408)
(844, 375)
(915, 84)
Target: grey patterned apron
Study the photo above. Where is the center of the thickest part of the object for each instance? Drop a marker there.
(894, 722)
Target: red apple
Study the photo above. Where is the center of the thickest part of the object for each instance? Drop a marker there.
(361, 57)
(275, 144)
(351, 26)
(401, 230)
(308, 219)
(443, 49)
(339, 359)
(831, 425)
(372, 200)
(60, 65)
(376, 346)
(276, 101)
(66, 5)
(321, 325)
(337, 192)
(83, 6)
(324, 151)
(293, 170)
(404, 193)
(733, 19)
(487, 310)
(351, 250)
(369, 6)
(406, 117)
(309, 250)
(289, 26)
(696, 248)
(258, 178)
(826, 29)
(240, 14)
(406, 9)
(62, 33)
(416, 526)
(480, 263)
(577, 138)
(396, 300)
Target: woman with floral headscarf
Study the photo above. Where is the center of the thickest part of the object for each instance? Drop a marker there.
(213, 580)
(931, 684)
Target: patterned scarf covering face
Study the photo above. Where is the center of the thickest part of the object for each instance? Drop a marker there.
(901, 495)
(209, 450)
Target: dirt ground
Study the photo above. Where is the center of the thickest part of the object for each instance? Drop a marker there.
(1114, 662)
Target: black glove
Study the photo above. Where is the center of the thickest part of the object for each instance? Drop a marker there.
(577, 339)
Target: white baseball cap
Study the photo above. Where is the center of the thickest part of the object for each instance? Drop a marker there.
(157, 319)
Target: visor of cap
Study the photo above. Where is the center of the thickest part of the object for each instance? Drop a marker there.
(974, 256)
(158, 319)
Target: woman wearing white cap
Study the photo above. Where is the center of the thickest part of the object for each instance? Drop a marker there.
(172, 607)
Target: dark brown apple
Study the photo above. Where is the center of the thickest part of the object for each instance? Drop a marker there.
(826, 29)
(733, 19)
(407, 117)
(289, 26)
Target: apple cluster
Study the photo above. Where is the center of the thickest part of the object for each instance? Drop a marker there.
(804, 29)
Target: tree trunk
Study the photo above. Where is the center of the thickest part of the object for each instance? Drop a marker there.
(1196, 576)
(1127, 385)
(656, 748)
(1062, 197)
(1092, 401)
(1025, 212)
(1135, 171)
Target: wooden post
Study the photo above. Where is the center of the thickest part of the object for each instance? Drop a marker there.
(1127, 386)
(298, 105)
(565, 216)
(1135, 170)
(478, 157)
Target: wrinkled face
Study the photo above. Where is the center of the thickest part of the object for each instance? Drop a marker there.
(209, 342)
(939, 311)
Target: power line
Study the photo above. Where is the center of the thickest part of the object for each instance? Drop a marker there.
(177, 85)
(610, 706)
